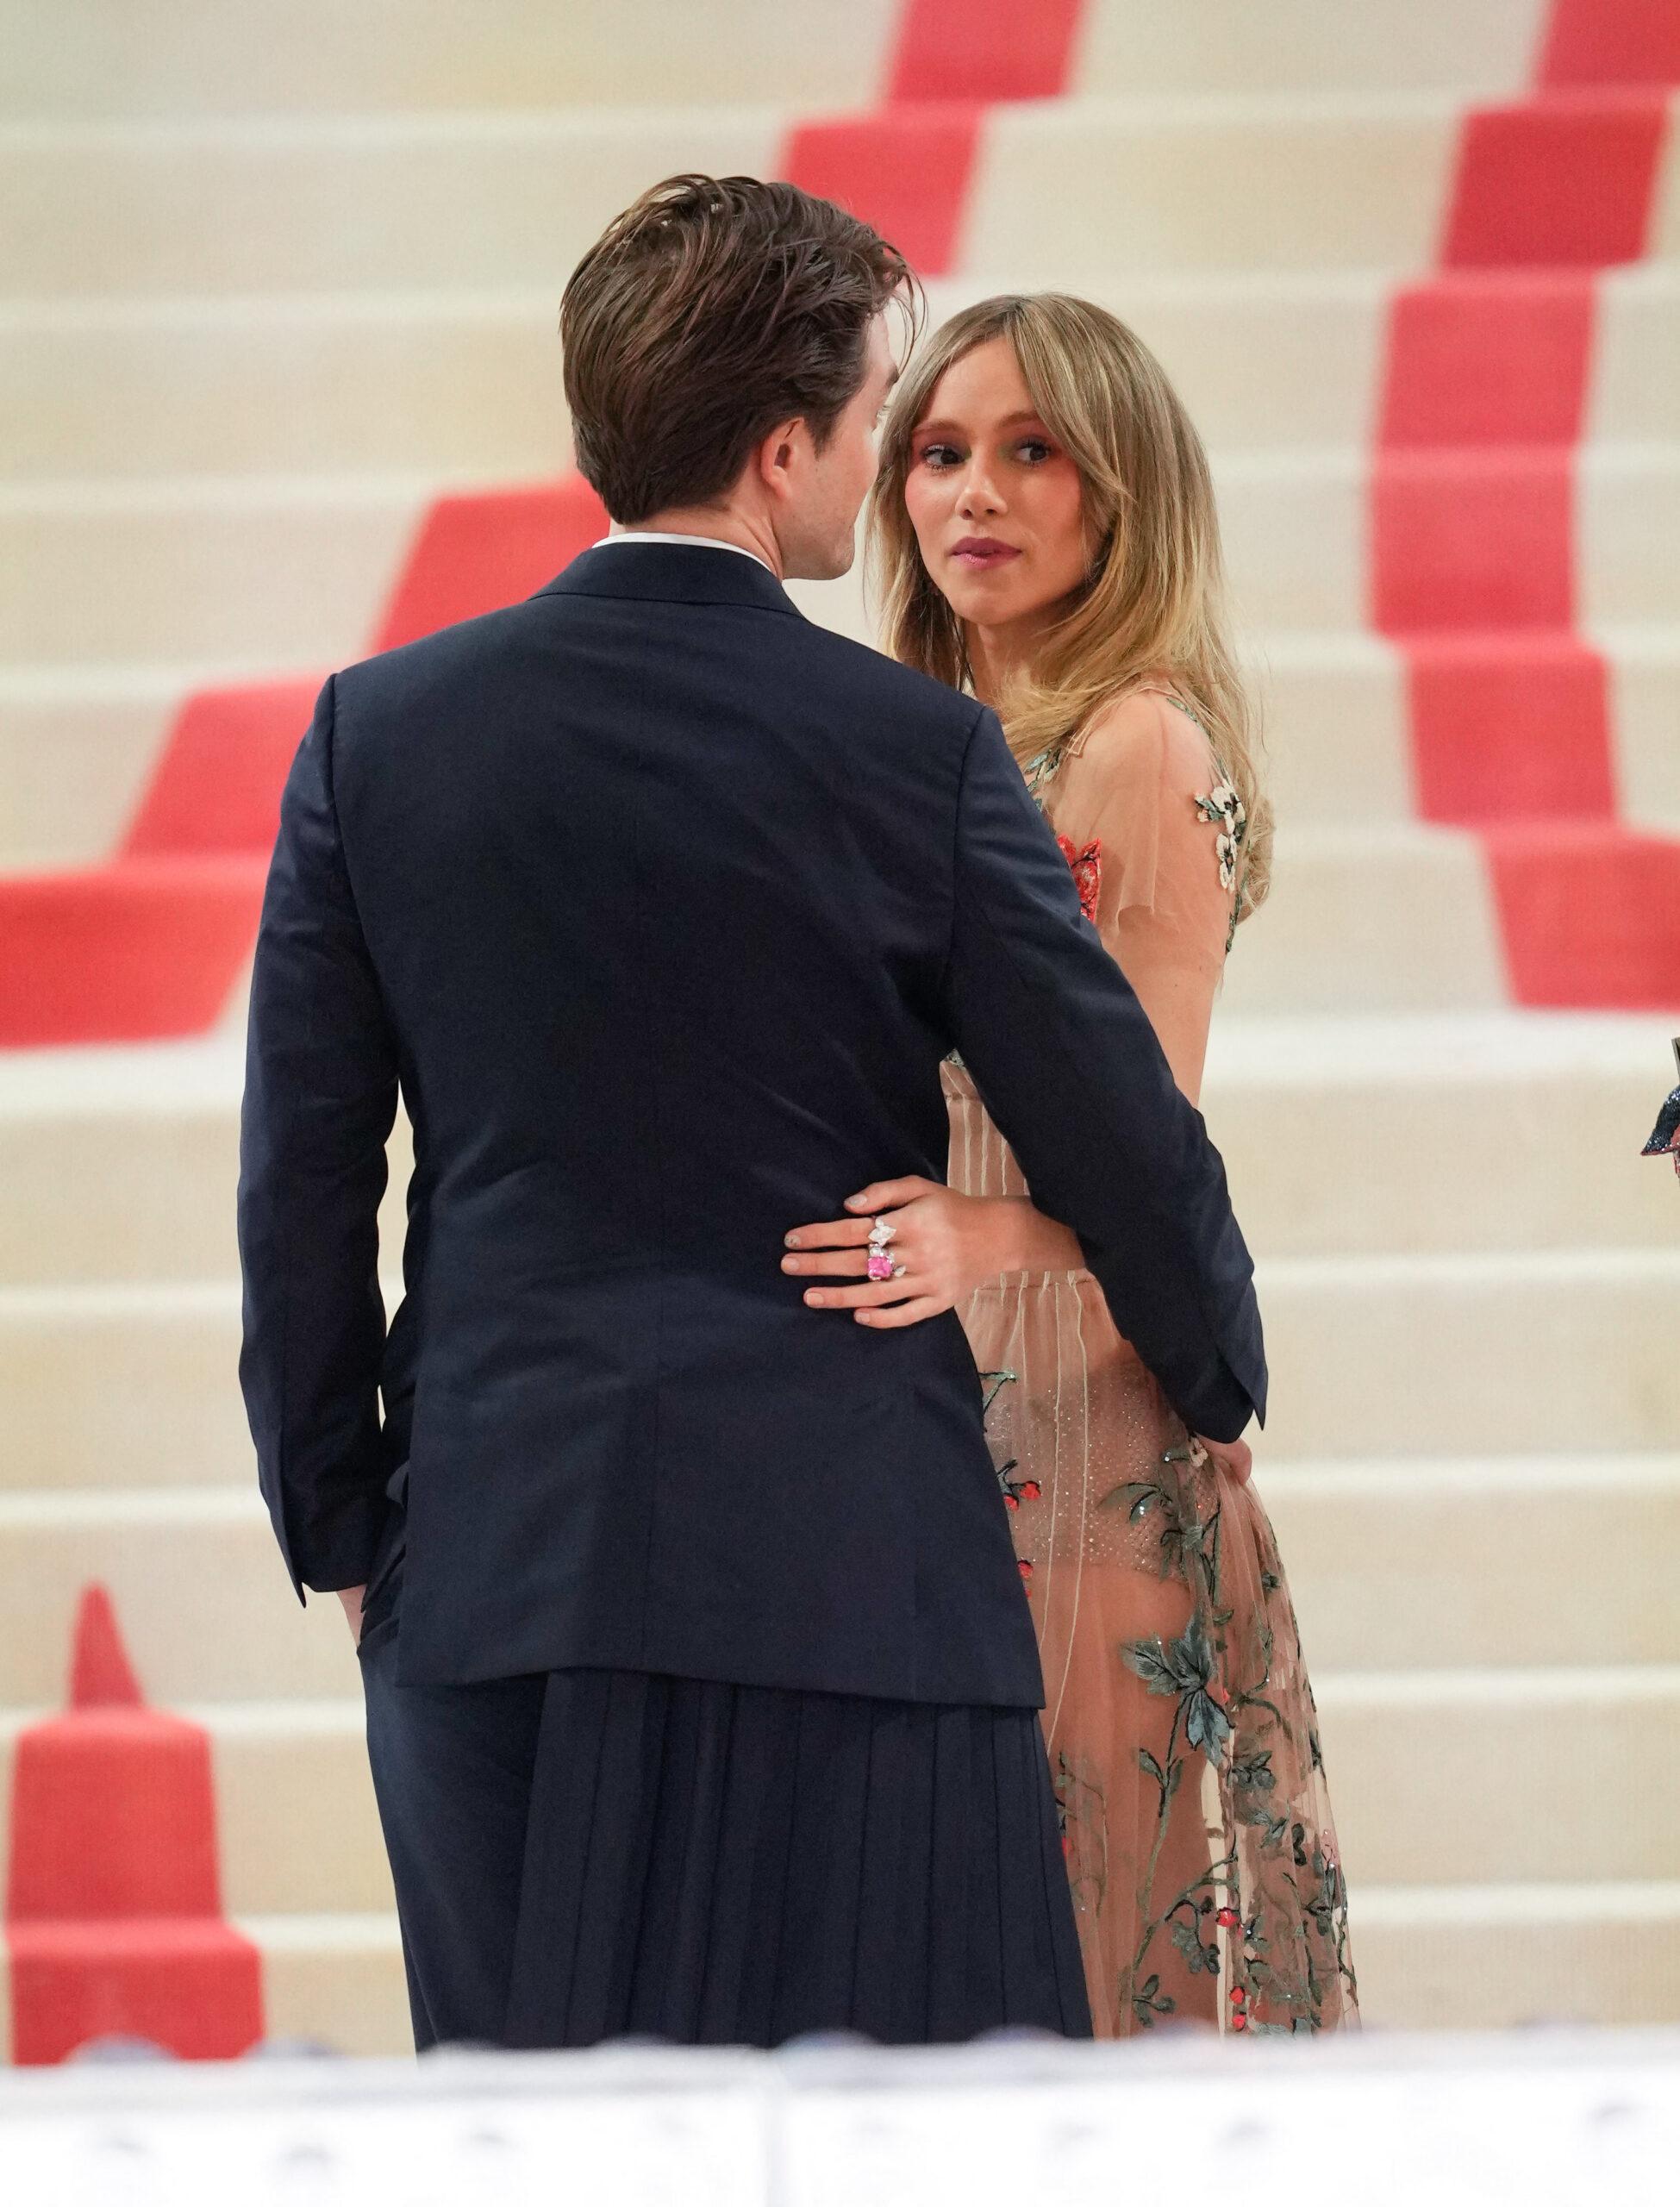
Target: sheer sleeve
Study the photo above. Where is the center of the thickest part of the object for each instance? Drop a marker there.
(1146, 855)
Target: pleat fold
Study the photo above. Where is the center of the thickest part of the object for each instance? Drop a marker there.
(727, 1864)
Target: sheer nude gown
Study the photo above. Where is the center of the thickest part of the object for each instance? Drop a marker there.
(1182, 1737)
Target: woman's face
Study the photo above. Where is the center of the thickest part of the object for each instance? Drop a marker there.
(995, 501)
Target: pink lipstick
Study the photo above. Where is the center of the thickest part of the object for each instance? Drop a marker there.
(980, 554)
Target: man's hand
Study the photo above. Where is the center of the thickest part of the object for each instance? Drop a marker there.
(352, 1598)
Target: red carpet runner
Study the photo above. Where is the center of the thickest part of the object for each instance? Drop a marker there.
(1473, 525)
(113, 1907)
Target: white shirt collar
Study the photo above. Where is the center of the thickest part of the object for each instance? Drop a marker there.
(664, 536)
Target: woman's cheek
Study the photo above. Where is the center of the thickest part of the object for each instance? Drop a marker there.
(921, 504)
(1063, 528)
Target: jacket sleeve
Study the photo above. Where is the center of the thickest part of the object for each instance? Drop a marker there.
(1068, 1066)
(320, 1098)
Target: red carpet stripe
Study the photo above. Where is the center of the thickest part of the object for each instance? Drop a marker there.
(1612, 42)
(1591, 912)
(1474, 538)
(217, 785)
(113, 1901)
(128, 952)
(152, 943)
(1561, 181)
(983, 50)
(908, 167)
(1509, 728)
(1473, 522)
(478, 551)
(906, 170)
(1500, 359)
(1471, 511)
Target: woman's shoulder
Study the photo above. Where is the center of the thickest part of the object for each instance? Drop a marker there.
(1143, 736)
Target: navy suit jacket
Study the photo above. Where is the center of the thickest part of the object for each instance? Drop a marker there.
(661, 906)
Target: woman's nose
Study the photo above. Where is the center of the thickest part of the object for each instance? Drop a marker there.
(979, 496)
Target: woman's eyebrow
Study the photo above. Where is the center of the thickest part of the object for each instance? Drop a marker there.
(1008, 422)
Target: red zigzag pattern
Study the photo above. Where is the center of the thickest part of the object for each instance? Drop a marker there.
(1473, 515)
(1472, 528)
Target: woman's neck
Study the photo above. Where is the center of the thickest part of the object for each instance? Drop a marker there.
(994, 654)
(998, 654)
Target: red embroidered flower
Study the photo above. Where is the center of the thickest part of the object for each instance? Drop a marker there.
(1086, 867)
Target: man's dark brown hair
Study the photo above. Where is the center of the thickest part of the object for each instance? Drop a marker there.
(712, 309)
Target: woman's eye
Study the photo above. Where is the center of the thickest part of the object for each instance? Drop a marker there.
(939, 456)
(1034, 450)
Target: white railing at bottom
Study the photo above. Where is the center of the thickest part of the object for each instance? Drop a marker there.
(1565, 2119)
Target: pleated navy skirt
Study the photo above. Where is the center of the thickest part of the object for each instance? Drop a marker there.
(590, 1853)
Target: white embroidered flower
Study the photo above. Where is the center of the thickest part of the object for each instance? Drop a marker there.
(1224, 807)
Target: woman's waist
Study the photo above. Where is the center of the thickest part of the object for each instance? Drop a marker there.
(1076, 1297)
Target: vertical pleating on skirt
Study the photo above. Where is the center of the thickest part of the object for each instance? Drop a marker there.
(736, 1865)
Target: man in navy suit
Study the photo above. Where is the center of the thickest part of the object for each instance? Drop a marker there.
(700, 1684)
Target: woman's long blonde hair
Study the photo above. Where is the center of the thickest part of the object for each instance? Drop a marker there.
(1152, 605)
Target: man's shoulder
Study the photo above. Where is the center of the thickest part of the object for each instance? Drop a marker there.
(902, 690)
(461, 648)
(866, 687)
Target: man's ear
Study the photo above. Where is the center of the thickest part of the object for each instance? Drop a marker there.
(778, 456)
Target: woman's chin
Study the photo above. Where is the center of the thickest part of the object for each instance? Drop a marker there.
(991, 601)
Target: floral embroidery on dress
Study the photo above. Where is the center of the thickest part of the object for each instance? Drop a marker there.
(1272, 1886)
(1224, 806)
(1086, 867)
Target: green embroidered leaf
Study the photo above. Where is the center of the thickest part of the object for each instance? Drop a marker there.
(1195, 1653)
(1250, 1769)
(1206, 1726)
(1149, 1763)
(1149, 1658)
(1190, 1946)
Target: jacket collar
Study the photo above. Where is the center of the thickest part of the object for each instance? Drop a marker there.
(679, 574)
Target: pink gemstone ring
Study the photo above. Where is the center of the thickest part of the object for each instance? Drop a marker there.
(881, 1266)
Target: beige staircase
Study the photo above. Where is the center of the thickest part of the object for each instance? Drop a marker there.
(253, 319)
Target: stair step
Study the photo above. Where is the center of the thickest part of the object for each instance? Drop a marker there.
(1527, 1353)
(1396, 1567)
(317, 56)
(321, 203)
(469, 382)
(1470, 1778)
(297, 569)
(192, 58)
(1471, 1958)
(1373, 1137)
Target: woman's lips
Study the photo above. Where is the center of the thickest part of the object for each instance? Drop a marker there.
(979, 554)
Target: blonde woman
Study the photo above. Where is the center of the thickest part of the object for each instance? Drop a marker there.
(1045, 535)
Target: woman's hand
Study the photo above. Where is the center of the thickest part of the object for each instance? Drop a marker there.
(948, 1245)
(1235, 1458)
